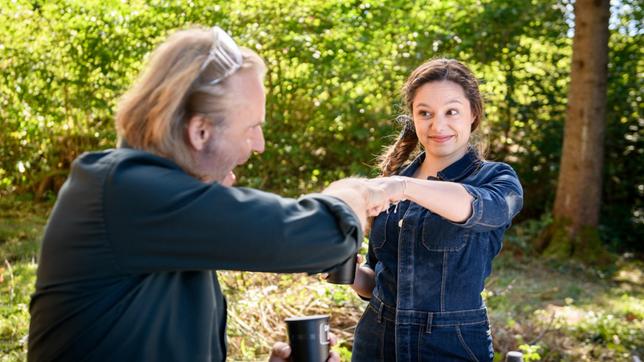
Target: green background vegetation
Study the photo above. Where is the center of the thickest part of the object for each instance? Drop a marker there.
(335, 70)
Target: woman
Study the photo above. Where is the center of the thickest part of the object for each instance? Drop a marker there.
(429, 255)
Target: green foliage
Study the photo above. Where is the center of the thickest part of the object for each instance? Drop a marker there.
(344, 352)
(335, 69)
(530, 352)
(623, 191)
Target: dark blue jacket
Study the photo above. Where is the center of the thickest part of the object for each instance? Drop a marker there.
(127, 260)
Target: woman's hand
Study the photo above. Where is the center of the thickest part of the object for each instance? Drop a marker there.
(393, 186)
(365, 279)
(282, 351)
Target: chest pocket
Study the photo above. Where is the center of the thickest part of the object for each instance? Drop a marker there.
(438, 234)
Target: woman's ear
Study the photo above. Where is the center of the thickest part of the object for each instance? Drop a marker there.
(199, 132)
(473, 123)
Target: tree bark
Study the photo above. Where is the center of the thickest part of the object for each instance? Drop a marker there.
(578, 197)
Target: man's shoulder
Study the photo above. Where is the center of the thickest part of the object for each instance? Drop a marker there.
(125, 176)
(118, 155)
(121, 167)
(107, 160)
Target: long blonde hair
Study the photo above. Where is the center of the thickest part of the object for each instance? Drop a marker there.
(395, 155)
(173, 87)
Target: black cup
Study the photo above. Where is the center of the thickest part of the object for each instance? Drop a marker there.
(309, 338)
(343, 273)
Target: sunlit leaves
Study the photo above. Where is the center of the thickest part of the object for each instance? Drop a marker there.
(335, 69)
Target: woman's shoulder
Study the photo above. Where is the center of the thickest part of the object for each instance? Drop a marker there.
(495, 170)
(496, 166)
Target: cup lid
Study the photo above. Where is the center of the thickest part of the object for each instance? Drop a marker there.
(307, 318)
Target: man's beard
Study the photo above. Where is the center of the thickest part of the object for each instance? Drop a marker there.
(218, 161)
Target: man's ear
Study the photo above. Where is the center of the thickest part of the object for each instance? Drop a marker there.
(199, 132)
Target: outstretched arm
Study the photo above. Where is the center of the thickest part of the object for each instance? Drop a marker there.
(448, 199)
(491, 204)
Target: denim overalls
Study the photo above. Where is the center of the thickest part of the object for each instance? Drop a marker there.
(430, 272)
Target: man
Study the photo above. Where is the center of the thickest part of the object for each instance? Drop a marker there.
(126, 260)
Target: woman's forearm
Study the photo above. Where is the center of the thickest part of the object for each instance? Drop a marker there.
(447, 199)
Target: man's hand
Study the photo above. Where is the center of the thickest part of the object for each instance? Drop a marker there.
(282, 351)
(364, 197)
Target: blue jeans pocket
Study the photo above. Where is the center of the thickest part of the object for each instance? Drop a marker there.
(477, 340)
(457, 343)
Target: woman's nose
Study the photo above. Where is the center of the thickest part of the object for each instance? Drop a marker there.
(438, 123)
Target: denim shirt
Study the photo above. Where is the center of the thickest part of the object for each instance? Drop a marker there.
(425, 262)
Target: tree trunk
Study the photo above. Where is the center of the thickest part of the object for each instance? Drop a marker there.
(578, 198)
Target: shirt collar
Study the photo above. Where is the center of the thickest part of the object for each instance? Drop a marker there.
(458, 170)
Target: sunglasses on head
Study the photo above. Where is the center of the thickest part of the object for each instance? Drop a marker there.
(225, 53)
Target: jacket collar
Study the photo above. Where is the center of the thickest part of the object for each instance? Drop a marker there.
(124, 144)
(458, 170)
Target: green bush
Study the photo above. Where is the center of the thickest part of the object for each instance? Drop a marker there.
(335, 69)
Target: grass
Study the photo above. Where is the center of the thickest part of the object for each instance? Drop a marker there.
(551, 311)
(21, 225)
(567, 312)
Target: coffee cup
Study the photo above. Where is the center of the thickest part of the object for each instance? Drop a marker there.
(309, 338)
(343, 273)
(514, 356)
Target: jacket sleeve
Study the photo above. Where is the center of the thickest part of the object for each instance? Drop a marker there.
(496, 201)
(161, 219)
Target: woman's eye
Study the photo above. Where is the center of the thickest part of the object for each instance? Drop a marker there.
(424, 114)
(452, 112)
